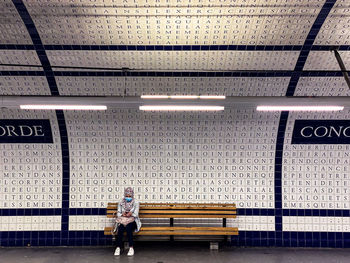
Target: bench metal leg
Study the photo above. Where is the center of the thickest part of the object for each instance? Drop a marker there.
(171, 224)
(214, 245)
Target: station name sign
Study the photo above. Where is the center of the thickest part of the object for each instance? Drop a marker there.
(321, 132)
(25, 131)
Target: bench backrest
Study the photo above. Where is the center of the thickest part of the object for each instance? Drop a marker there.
(180, 210)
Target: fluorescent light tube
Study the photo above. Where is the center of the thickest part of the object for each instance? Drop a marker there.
(63, 107)
(183, 97)
(212, 97)
(154, 97)
(299, 108)
(180, 108)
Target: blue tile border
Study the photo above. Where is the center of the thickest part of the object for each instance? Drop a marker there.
(40, 50)
(304, 52)
(16, 47)
(292, 239)
(245, 238)
(21, 73)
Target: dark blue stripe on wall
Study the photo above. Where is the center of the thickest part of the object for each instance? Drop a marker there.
(15, 47)
(39, 48)
(310, 39)
(278, 178)
(22, 73)
(326, 8)
(245, 238)
(292, 239)
(30, 212)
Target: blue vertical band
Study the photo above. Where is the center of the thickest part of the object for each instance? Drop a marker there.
(40, 50)
(306, 48)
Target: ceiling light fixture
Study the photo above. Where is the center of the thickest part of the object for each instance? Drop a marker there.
(154, 97)
(299, 108)
(63, 107)
(180, 108)
(182, 97)
(212, 97)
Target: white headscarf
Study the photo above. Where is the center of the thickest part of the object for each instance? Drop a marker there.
(127, 206)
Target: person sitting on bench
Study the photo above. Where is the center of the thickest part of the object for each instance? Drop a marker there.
(127, 219)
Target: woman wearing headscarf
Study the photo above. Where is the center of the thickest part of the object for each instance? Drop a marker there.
(128, 220)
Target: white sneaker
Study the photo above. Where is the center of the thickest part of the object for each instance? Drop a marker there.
(131, 252)
(117, 251)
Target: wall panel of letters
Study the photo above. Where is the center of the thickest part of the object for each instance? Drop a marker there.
(172, 157)
(137, 86)
(31, 173)
(181, 23)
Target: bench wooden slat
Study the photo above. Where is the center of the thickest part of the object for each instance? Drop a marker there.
(193, 211)
(183, 233)
(175, 228)
(185, 212)
(181, 210)
(178, 208)
(185, 216)
(169, 206)
(181, 204)
(180, 216)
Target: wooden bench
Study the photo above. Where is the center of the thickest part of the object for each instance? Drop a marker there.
(181, 210)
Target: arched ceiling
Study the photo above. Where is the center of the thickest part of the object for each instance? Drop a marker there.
(229, 47)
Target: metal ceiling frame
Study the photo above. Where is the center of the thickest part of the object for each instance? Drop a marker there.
(133, 101)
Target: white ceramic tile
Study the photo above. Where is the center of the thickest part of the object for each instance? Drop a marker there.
(244, 223)
(176, 60)
(19, 57)
(26, 223)
(31, 174)
(335, 30)
(136, 86)
(12, 28)
(195, 23)
(315, 176)
(23, 85)
(325, 60)
(206, 157)
(322, 86)
(305, 224)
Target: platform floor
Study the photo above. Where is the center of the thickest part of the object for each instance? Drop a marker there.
(166, 252)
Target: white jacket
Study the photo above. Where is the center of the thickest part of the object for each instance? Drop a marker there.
(135, 213)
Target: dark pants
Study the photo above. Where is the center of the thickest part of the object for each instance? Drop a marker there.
(129, 230)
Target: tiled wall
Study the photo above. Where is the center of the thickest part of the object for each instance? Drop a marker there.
(237, 156)
(174, 157)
